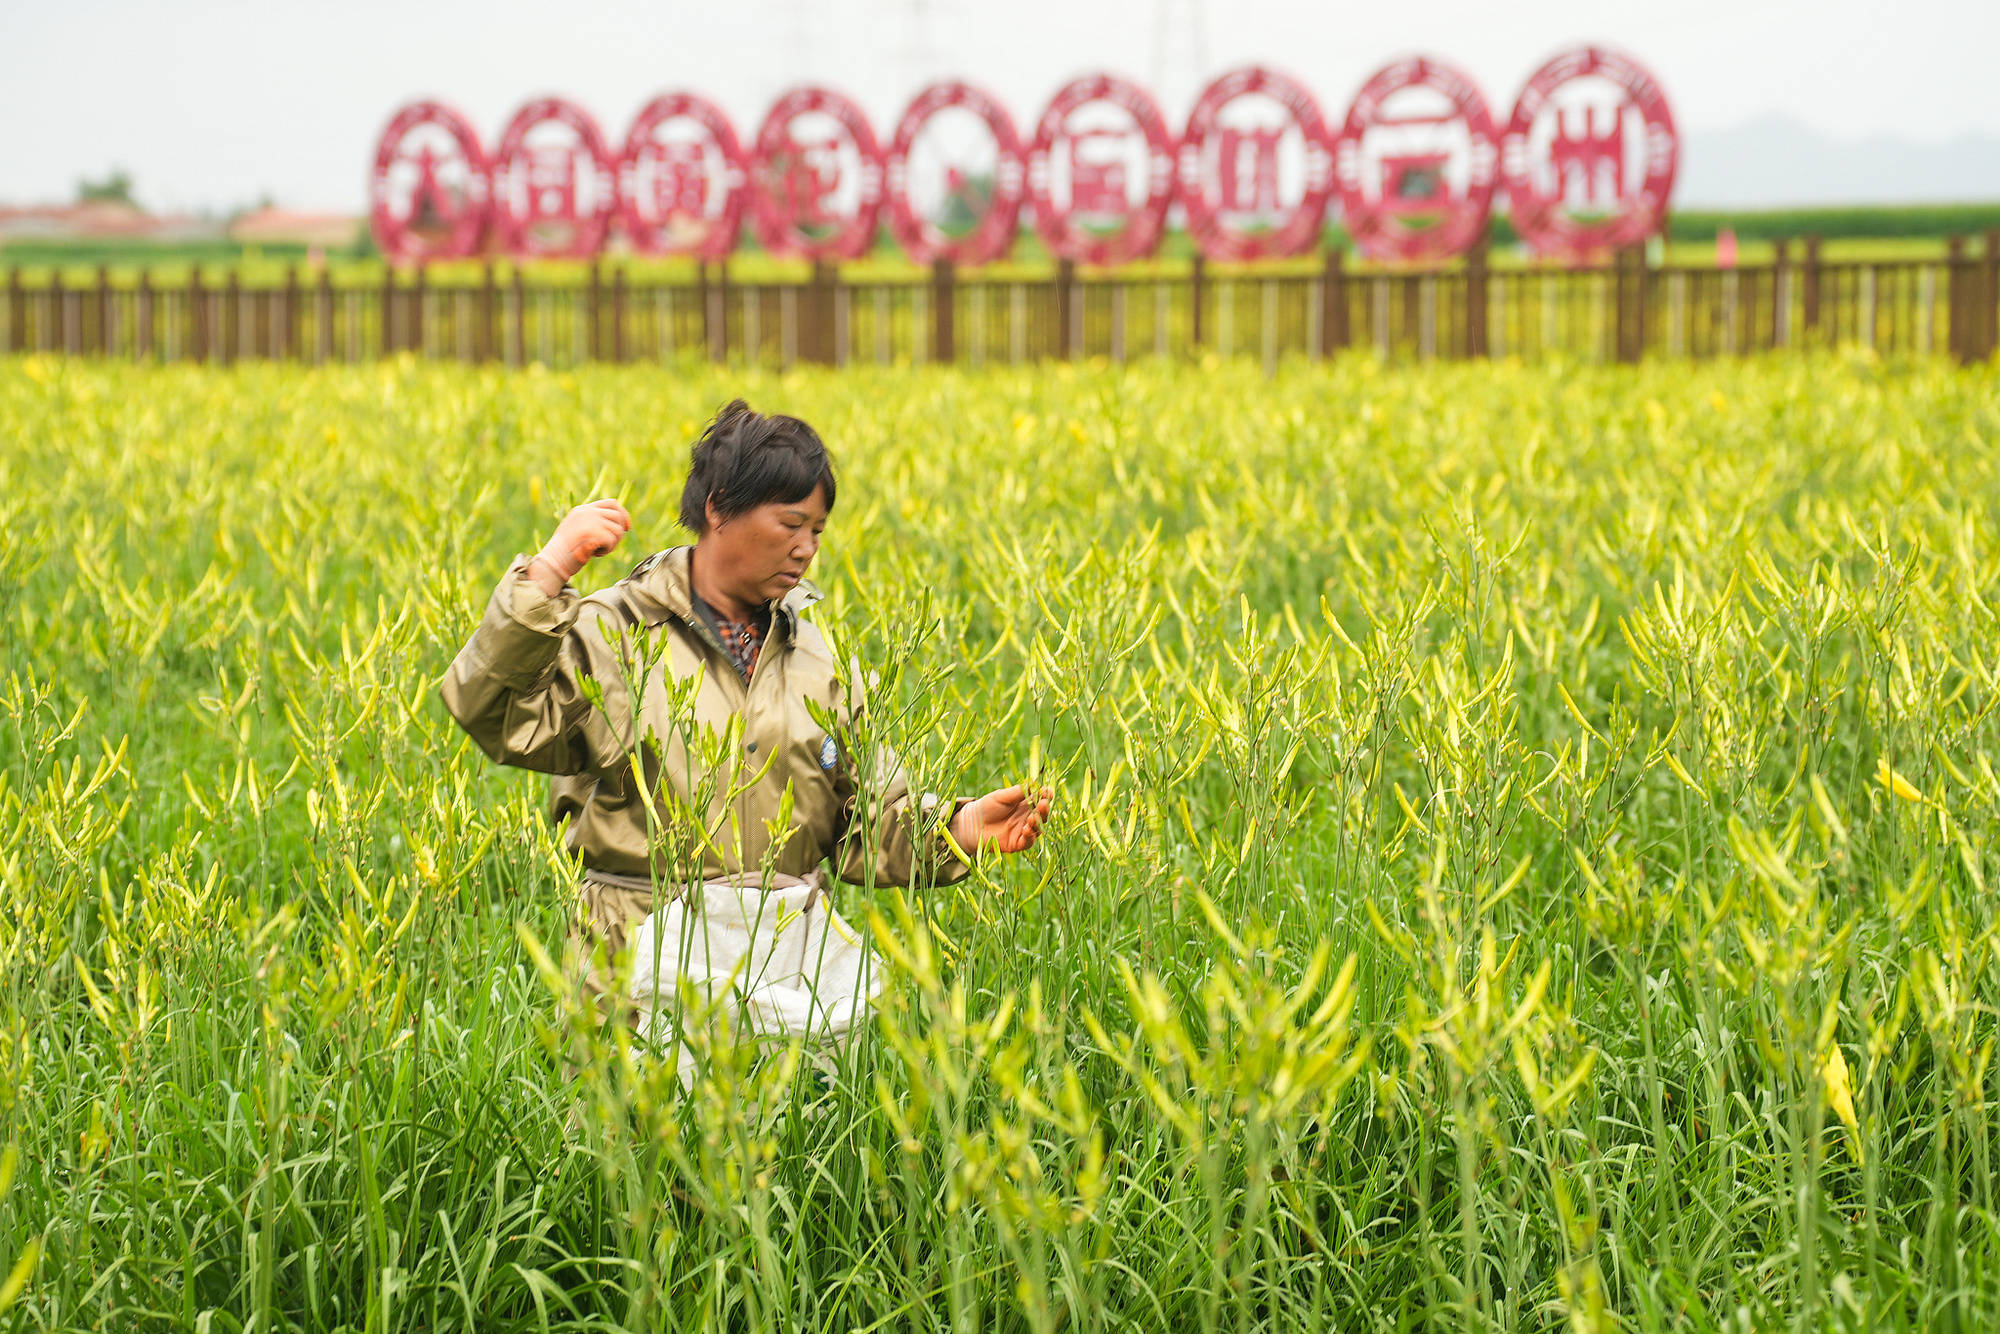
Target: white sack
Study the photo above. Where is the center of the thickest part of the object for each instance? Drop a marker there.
(774, 955)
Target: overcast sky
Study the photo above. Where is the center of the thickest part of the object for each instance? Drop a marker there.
(210, 103)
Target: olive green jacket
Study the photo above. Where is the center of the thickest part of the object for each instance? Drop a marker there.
(518, 687)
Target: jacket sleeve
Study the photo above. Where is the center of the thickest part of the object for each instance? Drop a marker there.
(889, 835)
(517, 685)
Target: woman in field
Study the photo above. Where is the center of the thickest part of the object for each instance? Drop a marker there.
(730, 610)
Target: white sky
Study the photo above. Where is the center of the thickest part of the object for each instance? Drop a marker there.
(211, 102)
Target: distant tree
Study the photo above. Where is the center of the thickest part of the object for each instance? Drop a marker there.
(115, 188)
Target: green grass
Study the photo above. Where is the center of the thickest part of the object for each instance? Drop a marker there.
(1471, 855)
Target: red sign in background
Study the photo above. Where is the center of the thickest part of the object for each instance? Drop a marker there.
(1590, 154)
(428, 195)
(1101, 171)
(1416, 182)
(977, 208)
(1233, 174)
(1588, 160)
(817, 172)
(681, 179)
(555, 185)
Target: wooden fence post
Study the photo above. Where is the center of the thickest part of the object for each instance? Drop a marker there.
(419, 282)
(817, 335)
(1642, 279)
(1988, 310)
(715, 314)
(819, 325)
(1809, 288)
(591, 285)
(943, 333)
(482, 328)
(288, 321)
(1333, 332)
(1621, 304)
(101, 338)
(197, 318)
(388, 309)
(1957, 300)
(232, 317)
(17, 311)
(1066, 295)
(618, 314)
(1633, 304)
(142, 317)
(1475, 299)
(805, 318)
(701, 302)
(517, 323)
(1781, 294)
(323, 316)
(1197, 280)
(58, 337)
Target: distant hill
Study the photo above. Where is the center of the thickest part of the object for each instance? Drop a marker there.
(1774, 162)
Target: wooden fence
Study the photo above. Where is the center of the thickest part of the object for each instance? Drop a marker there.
(1620, 311)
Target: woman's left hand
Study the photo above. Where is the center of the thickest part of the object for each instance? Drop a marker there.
(1005, 820)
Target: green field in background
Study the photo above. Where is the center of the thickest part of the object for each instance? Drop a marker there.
(1858, 234)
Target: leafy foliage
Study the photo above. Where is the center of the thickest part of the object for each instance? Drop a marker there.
(1521, 858)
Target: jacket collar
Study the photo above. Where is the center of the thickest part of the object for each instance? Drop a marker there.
(662, 578)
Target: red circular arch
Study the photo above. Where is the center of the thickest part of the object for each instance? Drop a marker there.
(642, 224)
(994, 233)
(587, 231)
(393, 234)
(1539, 216)
(1300, 228)
(1057, 226)
(1376, 226)
(776, 209)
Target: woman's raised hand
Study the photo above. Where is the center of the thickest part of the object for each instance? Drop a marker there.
(1006, 820)
(586, 532)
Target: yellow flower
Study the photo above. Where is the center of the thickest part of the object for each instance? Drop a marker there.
(1840, 1094)
(1895, 782)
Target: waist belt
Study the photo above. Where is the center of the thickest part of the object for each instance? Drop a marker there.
(621, 881)
(777, 880)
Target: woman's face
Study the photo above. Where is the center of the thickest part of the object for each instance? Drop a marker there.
(762, 553)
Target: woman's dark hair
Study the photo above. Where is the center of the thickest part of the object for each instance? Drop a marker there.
(745, 459)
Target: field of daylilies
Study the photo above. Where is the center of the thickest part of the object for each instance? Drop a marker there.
(1523, 858)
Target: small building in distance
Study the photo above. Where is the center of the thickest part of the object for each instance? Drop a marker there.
(279, 226)
(102, 220)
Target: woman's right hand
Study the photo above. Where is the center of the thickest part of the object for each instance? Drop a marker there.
(586, 532)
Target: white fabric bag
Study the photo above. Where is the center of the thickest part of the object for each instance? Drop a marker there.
(772, 954)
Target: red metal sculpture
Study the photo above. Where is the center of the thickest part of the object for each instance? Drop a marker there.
(555, 185)
(1588, 160)
(1101, 142)
(816, 177)
(682, 179)
(1590, 154)
(1416, 162)
(429, 194)
(1255, 170)
(955, 189)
